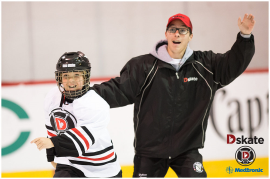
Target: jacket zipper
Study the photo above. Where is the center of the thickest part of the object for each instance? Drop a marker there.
(177, 75)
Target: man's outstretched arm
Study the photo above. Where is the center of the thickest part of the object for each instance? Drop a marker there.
(228, 66)
(121, 91)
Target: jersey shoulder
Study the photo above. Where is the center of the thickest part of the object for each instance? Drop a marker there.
(91, 108)
(52, 99)
(92, 100)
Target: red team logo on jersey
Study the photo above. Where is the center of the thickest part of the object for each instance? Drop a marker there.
(62, 120)
(60, 123)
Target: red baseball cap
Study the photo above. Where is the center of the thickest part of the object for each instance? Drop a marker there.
(181, 17)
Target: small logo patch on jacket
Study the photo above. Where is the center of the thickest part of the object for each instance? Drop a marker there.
(142, 175)
(190, 79)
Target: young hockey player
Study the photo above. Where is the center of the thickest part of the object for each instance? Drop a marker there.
(78, 143)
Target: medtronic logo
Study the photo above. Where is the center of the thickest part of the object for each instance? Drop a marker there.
(245, 156)
(190, 79)
(248, 170)
(229, 170)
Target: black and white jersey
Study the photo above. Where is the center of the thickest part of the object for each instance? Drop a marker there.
(78, 130)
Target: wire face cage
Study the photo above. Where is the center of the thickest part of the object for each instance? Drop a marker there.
(73, 84)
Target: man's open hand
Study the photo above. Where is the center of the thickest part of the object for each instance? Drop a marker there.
(43, 143)
(246, 26)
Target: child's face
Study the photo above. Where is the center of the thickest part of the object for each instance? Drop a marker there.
(72, 81)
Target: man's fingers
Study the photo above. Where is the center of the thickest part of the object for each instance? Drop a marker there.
(252, 18)
(245, 17)
(239, 21)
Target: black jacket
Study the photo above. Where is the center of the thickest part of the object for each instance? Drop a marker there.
(171, 108)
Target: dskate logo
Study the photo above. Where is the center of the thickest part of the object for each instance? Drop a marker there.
(245, 156)
(190, 79)
(244, 140)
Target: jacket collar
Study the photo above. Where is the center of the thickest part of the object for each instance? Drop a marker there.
(161, 53)
(162, 64)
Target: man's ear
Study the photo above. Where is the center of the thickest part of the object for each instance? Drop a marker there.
(190, 37)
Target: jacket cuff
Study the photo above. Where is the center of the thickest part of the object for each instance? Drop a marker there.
(241, 36)
(245, 35)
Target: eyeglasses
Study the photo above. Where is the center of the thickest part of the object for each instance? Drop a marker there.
(182, 31)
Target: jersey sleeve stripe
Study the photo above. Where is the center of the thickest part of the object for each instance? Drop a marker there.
(98, 152)
(49, 127)
(51, 134)
(77, 140)
(98, 159)
(93, 164)
(80, 135)
(75, 143)
(89, 134)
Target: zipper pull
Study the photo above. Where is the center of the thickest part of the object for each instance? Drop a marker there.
(177, 75)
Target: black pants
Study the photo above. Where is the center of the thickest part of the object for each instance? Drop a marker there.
(69, 171)
(188, 164)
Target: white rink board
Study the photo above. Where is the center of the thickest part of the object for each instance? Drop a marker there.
(253, 87)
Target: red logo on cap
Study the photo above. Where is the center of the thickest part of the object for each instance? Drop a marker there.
(60, 123)
(185, 19)
(179, 16)
(185, 79)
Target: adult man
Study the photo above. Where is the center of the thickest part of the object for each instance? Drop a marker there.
(172, 89)
(78, 140)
